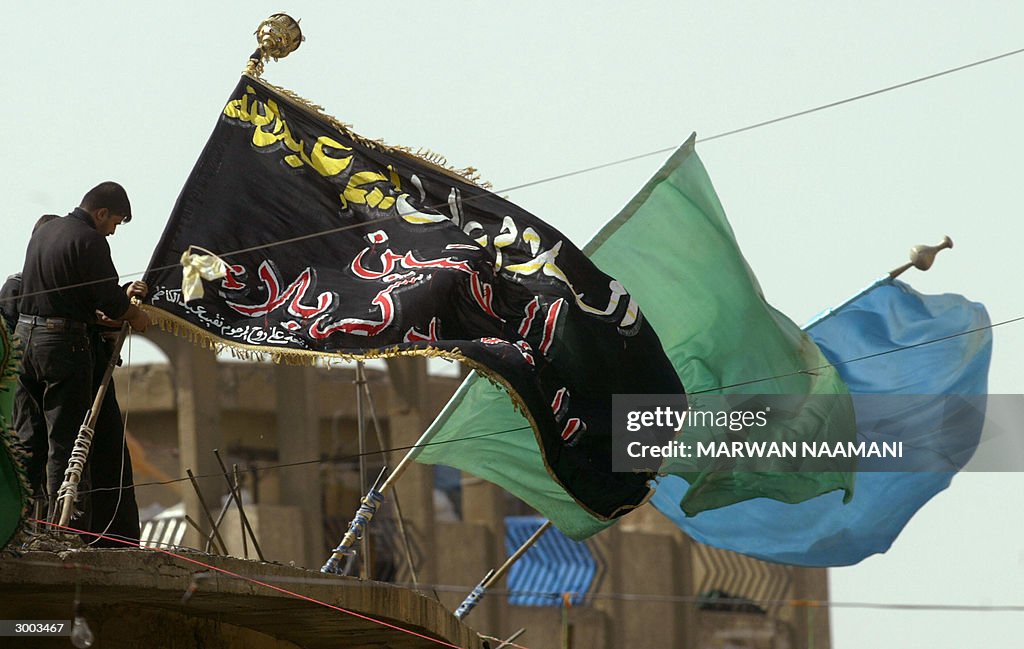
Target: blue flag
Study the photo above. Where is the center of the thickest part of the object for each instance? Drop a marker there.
(944, 349)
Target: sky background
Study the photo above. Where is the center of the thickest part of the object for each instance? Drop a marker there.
(821, 204)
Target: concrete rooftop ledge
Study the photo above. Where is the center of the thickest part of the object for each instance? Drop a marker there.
(133, 598)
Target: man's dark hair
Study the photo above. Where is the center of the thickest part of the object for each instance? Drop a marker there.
(109, 195)
(45, 218)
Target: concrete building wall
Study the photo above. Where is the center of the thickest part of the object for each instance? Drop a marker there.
(650, 572)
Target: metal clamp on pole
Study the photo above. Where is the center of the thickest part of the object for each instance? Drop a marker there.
(493, 576)
(474, 597)
(367, 508)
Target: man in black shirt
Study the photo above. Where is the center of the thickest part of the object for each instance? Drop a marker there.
(68, 276)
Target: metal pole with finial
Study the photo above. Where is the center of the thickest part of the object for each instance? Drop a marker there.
(922, 257)
(366, 565)
(278, 36)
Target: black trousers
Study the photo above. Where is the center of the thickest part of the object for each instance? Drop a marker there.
(54, 392)
(61, 372)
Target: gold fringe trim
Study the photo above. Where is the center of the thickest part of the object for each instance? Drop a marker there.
(180, 327)
(426, 156)
(202, 338)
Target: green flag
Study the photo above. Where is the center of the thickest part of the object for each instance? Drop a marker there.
(13, 491)
(481, 432)
(674, 250)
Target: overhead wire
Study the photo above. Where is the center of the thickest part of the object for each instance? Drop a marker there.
(721, 135)
(698, 599)
(548, 179)
(577, 172)
(468, 438)
(774, 120)
(863, 358)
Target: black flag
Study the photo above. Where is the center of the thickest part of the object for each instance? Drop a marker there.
(335, 246)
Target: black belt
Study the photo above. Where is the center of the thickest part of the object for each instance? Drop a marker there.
(54, 324)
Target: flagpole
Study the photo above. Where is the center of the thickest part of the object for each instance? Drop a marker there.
(365, 569)
(921, 257)
(398, 505)
(68, 492)
(493, 576)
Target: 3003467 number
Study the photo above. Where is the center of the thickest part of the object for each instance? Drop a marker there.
(55, 627)
(10, 628)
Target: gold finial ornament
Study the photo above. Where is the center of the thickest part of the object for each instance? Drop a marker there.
(922, 257)
(278, 36)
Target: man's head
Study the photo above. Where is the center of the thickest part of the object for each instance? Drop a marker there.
(107, 204)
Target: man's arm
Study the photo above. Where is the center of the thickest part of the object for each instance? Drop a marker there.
(136, 317)
(100, 277)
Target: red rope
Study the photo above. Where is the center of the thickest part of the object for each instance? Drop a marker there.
(254, 581)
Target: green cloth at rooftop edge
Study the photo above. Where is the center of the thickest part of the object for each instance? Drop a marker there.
(13, 490)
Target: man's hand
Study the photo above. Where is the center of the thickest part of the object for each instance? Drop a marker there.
(101, 318)
(138, 289)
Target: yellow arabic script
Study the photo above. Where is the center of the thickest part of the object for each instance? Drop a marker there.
(325, 155)
(271, 128)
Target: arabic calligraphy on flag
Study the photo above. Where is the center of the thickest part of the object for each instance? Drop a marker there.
(337, 246)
